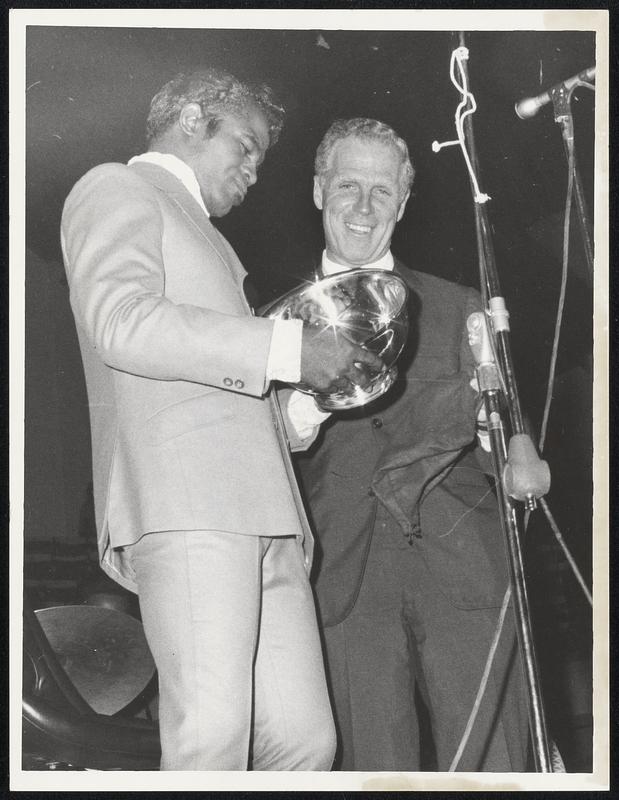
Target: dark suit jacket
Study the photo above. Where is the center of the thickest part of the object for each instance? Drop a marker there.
(414, 451)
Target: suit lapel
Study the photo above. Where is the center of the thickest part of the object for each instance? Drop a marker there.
(409, 276)
(167, 182)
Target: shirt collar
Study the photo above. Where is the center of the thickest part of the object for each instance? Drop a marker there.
(177, 167)
(330, 267)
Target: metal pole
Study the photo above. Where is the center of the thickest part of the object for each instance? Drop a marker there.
(564, 118)
(519, 591)
(499, 454)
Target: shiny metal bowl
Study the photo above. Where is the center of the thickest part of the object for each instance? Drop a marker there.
(367, 306)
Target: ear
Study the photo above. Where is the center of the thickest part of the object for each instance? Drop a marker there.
(190, 118)
(403, 206)
(317, 193)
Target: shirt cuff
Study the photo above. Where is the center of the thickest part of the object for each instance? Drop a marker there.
(304, 414)
(284, 361)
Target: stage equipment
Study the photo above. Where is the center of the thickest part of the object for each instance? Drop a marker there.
(60, 728)
(561, 95)
(531, 105)
(103, 652)
(526, 477)
(366, 306)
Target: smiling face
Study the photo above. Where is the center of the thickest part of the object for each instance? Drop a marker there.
(361, 198)
(226, 164)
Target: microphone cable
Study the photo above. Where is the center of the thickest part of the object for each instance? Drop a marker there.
(569, 140)
(561, 304)
(483, 683)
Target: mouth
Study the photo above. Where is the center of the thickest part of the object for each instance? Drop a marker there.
(358, 230)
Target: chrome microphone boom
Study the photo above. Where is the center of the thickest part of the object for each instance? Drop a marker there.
(529, 107)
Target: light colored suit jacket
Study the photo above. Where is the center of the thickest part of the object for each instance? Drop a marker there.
(183, 436)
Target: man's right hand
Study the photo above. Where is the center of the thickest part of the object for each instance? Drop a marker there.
(330, 361)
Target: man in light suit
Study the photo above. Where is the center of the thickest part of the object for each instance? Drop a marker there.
(410, 572)
(196, 504)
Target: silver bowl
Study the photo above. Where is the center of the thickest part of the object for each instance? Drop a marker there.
(366, 306)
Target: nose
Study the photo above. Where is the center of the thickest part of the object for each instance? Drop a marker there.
(250, 173)
(363, 203)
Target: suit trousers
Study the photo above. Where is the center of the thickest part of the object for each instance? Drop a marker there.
(404, 633)
(231, 624)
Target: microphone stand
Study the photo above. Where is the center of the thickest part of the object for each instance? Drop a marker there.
(520, 474)
(564, 118)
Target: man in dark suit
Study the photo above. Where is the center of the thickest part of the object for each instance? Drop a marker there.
(411, 573)
(196, 504)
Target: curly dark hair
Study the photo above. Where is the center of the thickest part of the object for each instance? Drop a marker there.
(363, 128)
(217, 93)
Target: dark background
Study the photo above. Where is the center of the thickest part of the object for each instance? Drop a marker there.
(88, 92)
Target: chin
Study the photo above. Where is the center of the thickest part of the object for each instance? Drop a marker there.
(357, 260)
(223, 209)
(358, 254)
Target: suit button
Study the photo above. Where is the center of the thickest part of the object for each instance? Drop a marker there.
(239, 384)
(377, 422)
(371, 493)
(227, 381)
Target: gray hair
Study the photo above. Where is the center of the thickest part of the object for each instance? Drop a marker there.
(368, 129)
(218, 93)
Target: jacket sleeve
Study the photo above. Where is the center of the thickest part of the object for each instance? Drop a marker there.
(112, 231)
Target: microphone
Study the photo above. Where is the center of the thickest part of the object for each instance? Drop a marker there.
(529, 107)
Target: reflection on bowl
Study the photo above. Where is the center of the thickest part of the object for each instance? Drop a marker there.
(366, 306)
